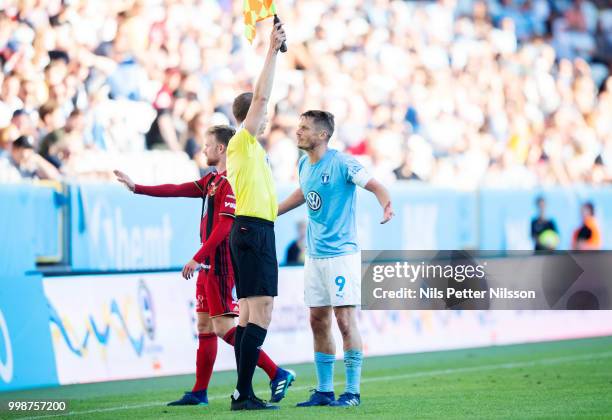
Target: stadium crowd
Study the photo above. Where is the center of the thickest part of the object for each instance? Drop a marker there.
(456, 93)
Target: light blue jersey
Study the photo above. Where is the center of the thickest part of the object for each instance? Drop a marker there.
(329, 190)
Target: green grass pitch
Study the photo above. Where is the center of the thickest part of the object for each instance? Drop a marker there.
(563, 379)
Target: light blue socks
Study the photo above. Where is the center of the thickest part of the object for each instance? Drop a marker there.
(353, 360)
(352, 363)
(325, 371)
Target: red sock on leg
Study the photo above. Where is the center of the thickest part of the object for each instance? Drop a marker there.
(229, 336)
(264, 360)
(267, 364)
(205, 360)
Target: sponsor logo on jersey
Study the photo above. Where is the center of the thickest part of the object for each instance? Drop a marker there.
(212, 189)
(314, 200)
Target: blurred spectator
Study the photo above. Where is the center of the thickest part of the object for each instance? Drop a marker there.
(7, 136)
(296, 251)
(162, 134)
(587, 236)
(196, 131)
(544, 231)
(126, 80)
(495, 92)
(29, 163)
(52, 129)
(8, 172)
(282, 154)
(574, 31)
(23, 123)
(405, 171)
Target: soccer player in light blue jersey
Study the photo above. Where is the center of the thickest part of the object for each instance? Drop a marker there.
(332, 270)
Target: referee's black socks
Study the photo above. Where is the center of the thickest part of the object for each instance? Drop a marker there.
(237, 343)
(252, 339)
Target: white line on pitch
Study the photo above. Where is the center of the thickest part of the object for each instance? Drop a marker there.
(548, 361)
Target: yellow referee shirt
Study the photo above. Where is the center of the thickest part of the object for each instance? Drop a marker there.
(251, 177)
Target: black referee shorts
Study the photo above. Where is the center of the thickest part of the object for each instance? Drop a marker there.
(253, 251)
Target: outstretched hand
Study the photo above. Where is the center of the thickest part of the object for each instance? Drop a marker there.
(125, 180)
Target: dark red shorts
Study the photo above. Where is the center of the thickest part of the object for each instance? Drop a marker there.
(216, 295)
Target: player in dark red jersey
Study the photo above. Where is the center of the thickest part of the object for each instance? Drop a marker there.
(216, 302)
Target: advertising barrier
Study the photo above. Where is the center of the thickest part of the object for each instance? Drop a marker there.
(429, 218)
(48, 205)
(113, 229)
(26, 352)
(29, 227)
(111, 327)
(505, 215)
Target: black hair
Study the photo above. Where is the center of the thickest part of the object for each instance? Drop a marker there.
(23, 142)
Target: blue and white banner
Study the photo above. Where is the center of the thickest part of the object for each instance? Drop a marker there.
(113, 229)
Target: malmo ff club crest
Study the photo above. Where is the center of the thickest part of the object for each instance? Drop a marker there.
(314, 200)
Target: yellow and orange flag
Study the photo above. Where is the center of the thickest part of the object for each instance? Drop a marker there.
(254, 11)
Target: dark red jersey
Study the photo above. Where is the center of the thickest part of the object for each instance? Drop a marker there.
(217, 215)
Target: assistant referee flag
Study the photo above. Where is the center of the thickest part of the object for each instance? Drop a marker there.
(254, 11)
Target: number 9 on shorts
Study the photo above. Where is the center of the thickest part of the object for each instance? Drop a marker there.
(334, 281)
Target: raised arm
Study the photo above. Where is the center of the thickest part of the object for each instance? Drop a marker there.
(382, 195)
(188, 189)
(263, 87)
(296, 199)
